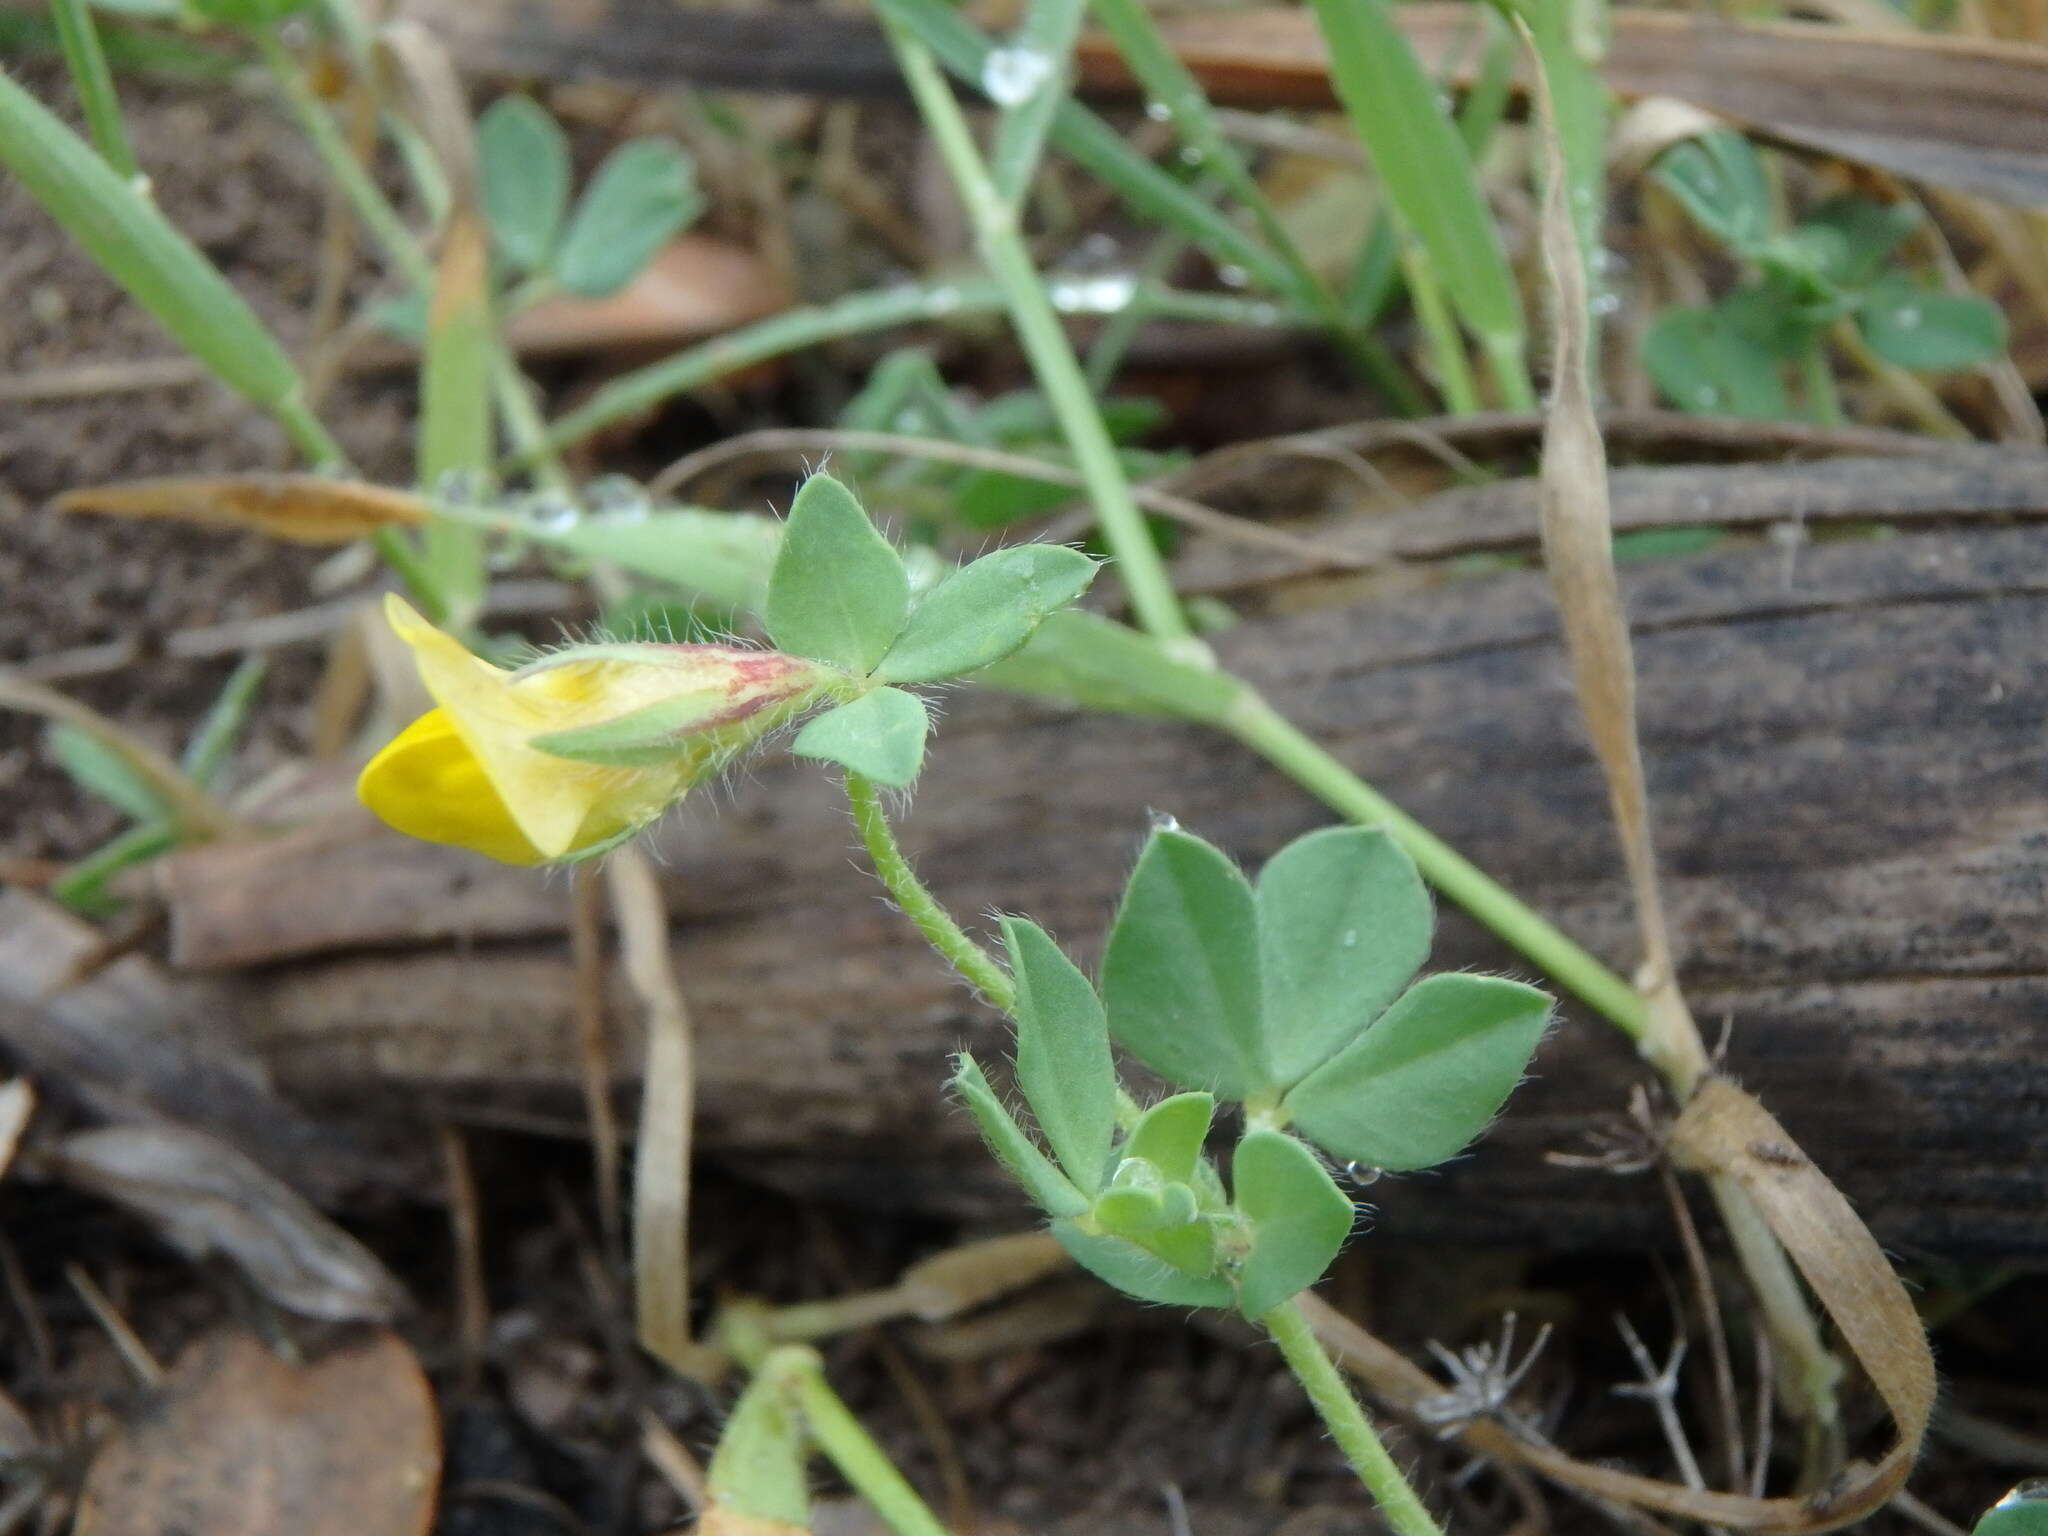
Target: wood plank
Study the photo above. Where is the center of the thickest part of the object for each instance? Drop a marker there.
(1850, 802)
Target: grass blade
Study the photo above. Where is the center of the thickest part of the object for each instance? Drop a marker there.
(1098, 148)
(87, 61)
(1037, 70)
(161, 270)
(455, 401)
(1429, 176)
(1172, 85)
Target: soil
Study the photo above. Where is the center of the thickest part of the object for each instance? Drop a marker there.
(1112, 1428)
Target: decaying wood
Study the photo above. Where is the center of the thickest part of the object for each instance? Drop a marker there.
(1961, 112)
(1845, 754)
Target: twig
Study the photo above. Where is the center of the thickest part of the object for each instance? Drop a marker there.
(1710, 1314)
(784, 440)
(586, 948)
(661, 1182)
(1659, 1387)
(127, 1343)
(472, 1300)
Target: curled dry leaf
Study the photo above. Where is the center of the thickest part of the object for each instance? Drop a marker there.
(306, 509)
(205, 1197)
(241, 1443)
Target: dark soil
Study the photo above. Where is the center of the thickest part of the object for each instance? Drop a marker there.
(1104, 1431)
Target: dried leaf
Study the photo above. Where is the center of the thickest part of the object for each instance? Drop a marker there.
(306, 509)
(694, 287)
(241, 1443)
(1578, 550)
(204, 1197)
(1726, 1132)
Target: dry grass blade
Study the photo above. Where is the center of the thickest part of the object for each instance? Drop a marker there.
(305, 509)
(196, 814)
(1767, 1218)
(661, 1172)
(1727, 1132)
(1578, 550)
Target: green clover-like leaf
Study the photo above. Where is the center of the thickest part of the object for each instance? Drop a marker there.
(1426, 1078)
(1344, 922)
(1063, 1062)
(1299, 1219)
(984, 611)
(1180, 975)
(838, 592)
(880, 735)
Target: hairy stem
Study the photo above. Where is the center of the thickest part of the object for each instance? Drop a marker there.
(933, 921)
(1347, 1423)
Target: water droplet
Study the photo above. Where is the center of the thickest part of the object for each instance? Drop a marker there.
(1012, 76)
(459, 487)
(1606, 302)
(2032, 1491)
(552, 513)
(1093, 295)
(1190, 155)
(1706, 397)
(1362, 1173)
(617, 499)
(1162, 821)
(906, 421)
(1907, 317)
(943, 301)
(1350, 939)
(1158, 111)
(1232, 276)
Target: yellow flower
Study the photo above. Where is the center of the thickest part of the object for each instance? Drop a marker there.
(569, 755)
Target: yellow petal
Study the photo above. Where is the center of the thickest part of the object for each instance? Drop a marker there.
(559, 806)
(427, 784)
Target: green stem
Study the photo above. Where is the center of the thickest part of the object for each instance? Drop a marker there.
(308, 433)
(1347, 1423)
(1259, 726)
(919, 905)
(1045, 344)
(1446, 346)
(1823, 403)
(849, 1446)
(515, 406)
(856, 314)
(80, 41)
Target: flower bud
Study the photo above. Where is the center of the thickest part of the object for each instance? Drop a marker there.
(570, 755)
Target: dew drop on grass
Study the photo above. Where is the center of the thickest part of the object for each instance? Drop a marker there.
(552, 513)
(1012, 76)
(1233, 276)
(1350, 938)
(1907, 317)
(1158, 111)
(1706, 397)
(1362, 1173)
(1162, 821)
(462, 487)
(617, 499)
(2033, 1491)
